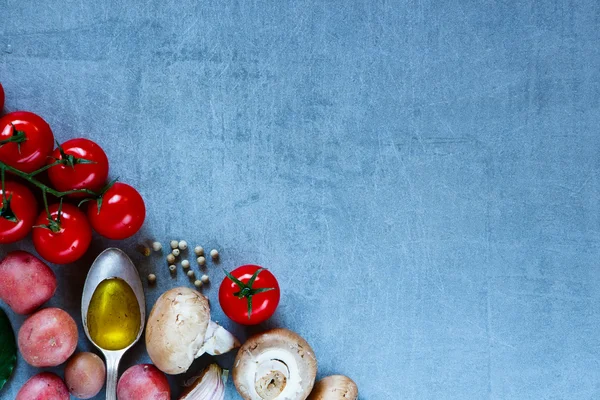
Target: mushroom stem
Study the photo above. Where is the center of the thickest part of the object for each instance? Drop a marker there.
(271, 378)
(217, 341)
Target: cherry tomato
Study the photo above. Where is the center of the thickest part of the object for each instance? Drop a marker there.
(1, 98)
(122, 212)
(249, 294)
(84, 166)
(32, 143)
(63, 239)
(16, 217)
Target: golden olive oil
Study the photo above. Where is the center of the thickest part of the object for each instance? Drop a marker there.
(113, 317)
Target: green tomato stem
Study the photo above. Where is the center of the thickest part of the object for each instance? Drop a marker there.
(30, 178)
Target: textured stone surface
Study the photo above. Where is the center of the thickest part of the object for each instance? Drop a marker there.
(422, 176)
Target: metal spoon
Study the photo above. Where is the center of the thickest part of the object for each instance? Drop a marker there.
(112, 263)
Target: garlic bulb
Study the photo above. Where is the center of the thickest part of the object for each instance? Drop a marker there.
(209, 385)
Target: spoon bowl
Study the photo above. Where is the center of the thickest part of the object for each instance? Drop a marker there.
(112, 263)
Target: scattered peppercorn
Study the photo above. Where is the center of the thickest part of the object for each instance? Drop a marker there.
(172, 268)
(176, 252)
(199, 250)
(204, 279)
(156, 246)
(185, 264)
(214, 254)
(198, 283)
(174, 244)
(143, 249)
(201, 260)
(190, 273)
(170, 258)
(182, 245)
(151, 279)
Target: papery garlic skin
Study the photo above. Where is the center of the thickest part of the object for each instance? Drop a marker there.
(208, 386)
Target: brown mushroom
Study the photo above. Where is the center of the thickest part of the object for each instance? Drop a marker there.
(179, 330)
(335, 387)
(275, 365)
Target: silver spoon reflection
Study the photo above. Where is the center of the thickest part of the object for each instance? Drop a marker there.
(113, 310)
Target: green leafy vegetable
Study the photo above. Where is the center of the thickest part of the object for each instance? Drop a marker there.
(8, 349)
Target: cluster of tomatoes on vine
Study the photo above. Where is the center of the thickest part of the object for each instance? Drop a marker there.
(76, 194)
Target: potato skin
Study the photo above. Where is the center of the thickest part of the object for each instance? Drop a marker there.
(143, 381)
(44, 386)
(47, 338)
(26, 282)
(85, 374)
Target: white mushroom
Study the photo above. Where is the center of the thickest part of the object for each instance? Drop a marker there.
(179, 330)
(275, 365)
(335, 387)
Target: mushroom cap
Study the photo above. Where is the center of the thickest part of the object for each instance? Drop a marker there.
(176, 329)
(335, 387)
(276, 364)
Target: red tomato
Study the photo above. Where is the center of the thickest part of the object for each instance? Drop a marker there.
(34, 140)
(248, 301)
(84, 166)
(63, 240)
(1, 98)
(121, 213)
(16, 217)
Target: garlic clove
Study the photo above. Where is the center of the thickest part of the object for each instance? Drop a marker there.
(210, 385)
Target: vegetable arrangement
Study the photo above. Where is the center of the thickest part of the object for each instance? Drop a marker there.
(274, 365)
(78, 172)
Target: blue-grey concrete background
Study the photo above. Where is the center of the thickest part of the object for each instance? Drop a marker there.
(422, 176)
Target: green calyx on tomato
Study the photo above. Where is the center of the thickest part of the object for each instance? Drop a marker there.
(6, 211)
(53, 224)
(69, 159)
(246, 289)
(17, 137)
(100, 195)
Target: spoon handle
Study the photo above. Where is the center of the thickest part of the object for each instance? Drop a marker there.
(112, 373)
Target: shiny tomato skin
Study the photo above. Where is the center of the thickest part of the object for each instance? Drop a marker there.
(1, 98)
(23, 206)
(79, 176)
(263, 304)
(121, 214)
(33, 152)
(70, 242)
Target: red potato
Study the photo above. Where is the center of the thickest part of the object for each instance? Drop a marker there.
(44, 386)
(26, 282)
(143, 381)
(48, 338)
(85, 374)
